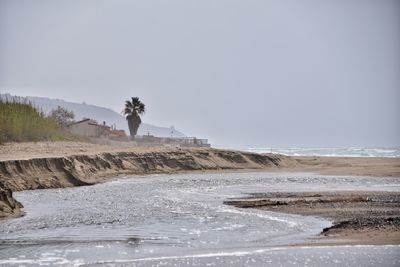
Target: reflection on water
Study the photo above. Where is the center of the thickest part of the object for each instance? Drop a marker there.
(166, 218)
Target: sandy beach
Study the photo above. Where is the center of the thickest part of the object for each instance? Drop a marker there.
(32, 150)
(364, 166)
(359, 217)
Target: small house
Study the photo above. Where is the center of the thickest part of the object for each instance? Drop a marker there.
(89, 128)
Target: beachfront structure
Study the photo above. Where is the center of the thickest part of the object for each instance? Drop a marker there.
(175, 141)
(118, 135)
(89, 128)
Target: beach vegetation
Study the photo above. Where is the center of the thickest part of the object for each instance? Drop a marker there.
(21, 121)
(62, 116)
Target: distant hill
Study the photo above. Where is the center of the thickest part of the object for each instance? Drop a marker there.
(100, 114)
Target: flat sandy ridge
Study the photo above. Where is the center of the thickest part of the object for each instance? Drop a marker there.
(31, 150)
(366, 166)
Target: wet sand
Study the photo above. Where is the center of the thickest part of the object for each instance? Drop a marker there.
(364, 218)
(360, 166)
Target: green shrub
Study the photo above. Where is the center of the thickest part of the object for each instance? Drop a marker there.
(23, 122)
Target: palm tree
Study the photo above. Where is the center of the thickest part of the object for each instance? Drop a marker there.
(132, 111)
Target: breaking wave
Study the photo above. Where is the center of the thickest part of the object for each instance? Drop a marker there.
(331, 152)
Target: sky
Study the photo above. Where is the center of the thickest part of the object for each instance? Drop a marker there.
(242, 73)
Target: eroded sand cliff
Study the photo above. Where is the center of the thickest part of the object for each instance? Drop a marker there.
(26, 166)
(78, 170)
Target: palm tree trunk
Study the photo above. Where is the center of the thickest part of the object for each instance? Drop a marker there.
(133, 124)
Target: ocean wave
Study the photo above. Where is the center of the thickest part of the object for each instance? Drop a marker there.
(331, 152)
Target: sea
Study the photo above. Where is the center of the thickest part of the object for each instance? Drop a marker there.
(330, 151)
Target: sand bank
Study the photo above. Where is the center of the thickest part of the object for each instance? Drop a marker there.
(326, 165)
(28, 166)
(358, 217)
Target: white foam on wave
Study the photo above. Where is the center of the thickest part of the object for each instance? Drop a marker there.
(243, 253)
(239, 253)
(230, 227)
(205, 255)
(44, 260)
(331, 152)
(258, 214)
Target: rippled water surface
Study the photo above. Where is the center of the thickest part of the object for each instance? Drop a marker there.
(179, 220)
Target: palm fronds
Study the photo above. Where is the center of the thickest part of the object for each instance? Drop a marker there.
(134, 107)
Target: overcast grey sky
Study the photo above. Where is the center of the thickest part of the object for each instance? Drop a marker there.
(241, 73)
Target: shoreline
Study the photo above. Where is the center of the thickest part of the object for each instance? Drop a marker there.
(354, 166)
(30, 166)
(69, 164)
(359, 217)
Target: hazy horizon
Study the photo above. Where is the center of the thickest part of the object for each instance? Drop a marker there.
(242, 74)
